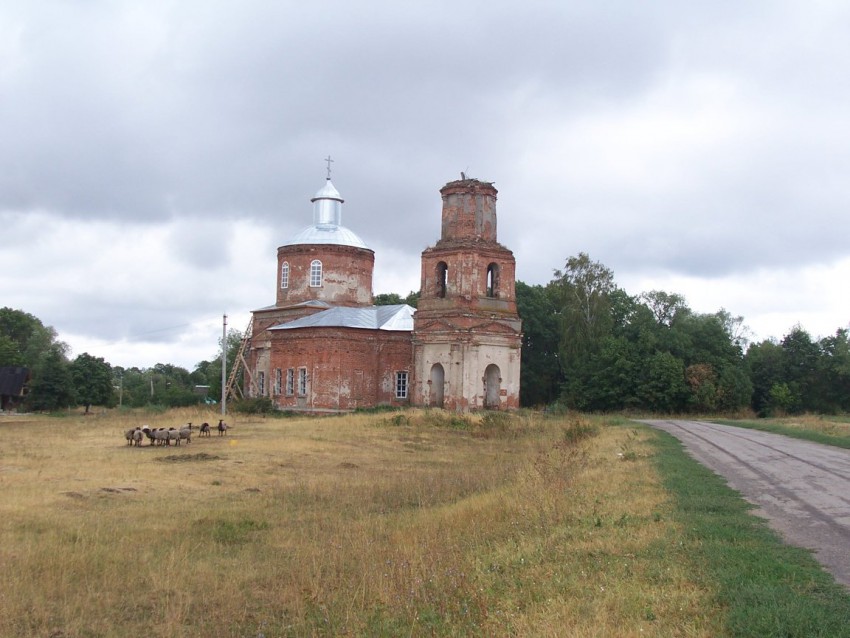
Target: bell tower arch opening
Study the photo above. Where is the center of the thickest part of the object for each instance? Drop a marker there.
(493, 280)
(437, 381)
(492, 386)
(442, 279)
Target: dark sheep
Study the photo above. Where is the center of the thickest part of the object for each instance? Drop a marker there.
(205, 429)
(222, 428)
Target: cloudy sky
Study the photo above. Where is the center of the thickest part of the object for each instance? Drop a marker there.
(154, 155)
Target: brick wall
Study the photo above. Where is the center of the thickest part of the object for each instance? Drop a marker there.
(346, 368)
(346, 274)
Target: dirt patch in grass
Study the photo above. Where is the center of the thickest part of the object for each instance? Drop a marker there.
(184, 458)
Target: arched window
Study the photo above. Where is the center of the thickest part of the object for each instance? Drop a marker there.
(493, 280)
(442, 278)
(284, 275)
(315, 273)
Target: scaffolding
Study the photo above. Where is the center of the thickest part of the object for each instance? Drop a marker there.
(233, 388)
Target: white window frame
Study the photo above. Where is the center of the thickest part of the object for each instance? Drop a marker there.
(315, 274)
(261, 384)
(402, 384)
(278, 377)
(284, 275)
(302, 382)
(290, 381)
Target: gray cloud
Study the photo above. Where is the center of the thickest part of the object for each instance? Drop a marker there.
(706, 141)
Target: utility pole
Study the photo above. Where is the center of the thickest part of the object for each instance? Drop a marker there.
(224, 367)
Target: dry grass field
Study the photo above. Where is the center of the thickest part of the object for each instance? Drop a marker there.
(385, 524)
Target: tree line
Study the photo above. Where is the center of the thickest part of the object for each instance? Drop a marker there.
(587, 345)
(591, 346)
(59, 382)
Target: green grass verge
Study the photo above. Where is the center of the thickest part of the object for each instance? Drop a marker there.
(766, 588)
(818, 436)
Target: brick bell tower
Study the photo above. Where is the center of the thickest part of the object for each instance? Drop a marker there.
(467, 333)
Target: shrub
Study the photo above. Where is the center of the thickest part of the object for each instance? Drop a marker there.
(259, 405)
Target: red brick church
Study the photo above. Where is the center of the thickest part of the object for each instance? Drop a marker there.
(323, 346)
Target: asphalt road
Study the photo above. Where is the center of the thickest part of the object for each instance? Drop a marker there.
(802, 488)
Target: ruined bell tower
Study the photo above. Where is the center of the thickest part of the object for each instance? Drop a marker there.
(467, 333)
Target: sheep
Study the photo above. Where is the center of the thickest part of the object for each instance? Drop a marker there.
(148, 433)
(173, 435)
(205, 429)
(222, 428)
(160, 436)
(133, 436)
(185, 434)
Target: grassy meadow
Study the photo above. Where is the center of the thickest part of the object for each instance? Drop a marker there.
(411, 523)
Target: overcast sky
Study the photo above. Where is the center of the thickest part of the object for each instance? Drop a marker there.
(154, 155)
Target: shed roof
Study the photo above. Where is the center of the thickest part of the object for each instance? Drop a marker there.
(13, 379)
(397, 318)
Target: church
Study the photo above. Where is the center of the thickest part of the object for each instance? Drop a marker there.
(324, 347)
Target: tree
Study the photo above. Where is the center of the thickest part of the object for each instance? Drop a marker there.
(387, 299)
(765, 364)
(581, 293)
(834, 372)
(540, 372)
(801, 357)
(92, 378)
(10, 352)
(583, 290)
(26, 341)
(663, 387)
(392, 299)
(664, 306)
(53, 388)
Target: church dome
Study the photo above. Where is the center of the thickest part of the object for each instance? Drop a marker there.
(327, 225)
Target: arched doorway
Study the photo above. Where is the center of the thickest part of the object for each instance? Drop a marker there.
(438, 378)
(492, 386)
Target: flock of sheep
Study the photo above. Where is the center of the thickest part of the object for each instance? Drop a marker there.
(163, 436)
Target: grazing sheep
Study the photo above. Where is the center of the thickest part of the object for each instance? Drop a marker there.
(222, 428)
(205, 429)
(134, 436)
(160, 436)
(148, 433)
(185, 434)
(173, 435)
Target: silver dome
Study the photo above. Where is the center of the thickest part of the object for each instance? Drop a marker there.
(327, 225)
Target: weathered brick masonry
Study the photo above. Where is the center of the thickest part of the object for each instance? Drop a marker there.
(323, 346)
